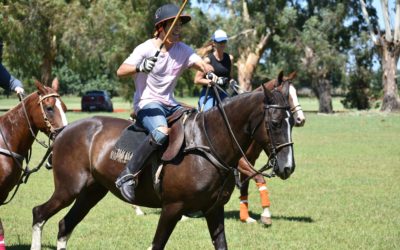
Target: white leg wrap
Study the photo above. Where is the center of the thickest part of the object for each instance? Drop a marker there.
(37, 236)
(62, 242)
(266, 213)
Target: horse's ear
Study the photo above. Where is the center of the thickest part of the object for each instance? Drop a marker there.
(292, 75)
(55, 84)
(279, 80)
(40, 87)
(268, 95)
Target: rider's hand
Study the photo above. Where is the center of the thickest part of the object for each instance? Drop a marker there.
(212, 77)
(19, 90)
(233, 82)
(147, 64)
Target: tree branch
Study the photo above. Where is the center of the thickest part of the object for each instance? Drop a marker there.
(246, 15)
(388, 29)
(397, 23)
(366, 17)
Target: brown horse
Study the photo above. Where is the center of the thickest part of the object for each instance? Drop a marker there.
(199, 178)
(255, 150)
(43, 111)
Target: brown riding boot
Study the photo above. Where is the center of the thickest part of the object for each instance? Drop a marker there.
(126, 180)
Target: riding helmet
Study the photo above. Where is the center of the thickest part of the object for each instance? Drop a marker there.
(167, 12)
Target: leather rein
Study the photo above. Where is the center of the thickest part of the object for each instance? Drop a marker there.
(17, 158)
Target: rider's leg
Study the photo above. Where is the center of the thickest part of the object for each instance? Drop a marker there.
(153, 117)
(126, 181)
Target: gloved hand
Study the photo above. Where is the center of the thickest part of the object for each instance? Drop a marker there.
(222, 81)
(147, 64)
(212, 77)
(233, 82)
(19, 90)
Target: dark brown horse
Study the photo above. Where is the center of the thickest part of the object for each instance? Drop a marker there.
(255, 150)
(43, 111)
(200, 178)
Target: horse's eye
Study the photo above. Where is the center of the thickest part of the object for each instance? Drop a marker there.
(49, 109)
(276, 124)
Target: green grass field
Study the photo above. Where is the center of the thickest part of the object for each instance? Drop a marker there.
(344, 194)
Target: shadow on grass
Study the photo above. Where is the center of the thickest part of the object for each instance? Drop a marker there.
(27, 247)
(235, 215)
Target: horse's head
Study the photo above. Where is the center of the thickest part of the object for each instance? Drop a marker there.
(276, 133)
(45, 109)
(295, 107)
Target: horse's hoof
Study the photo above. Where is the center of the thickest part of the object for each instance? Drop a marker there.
(267, 221)
(249, 220)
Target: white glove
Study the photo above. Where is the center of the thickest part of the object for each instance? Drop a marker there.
(221, 81)
(147, 64)
(19, 90)
(212, 77)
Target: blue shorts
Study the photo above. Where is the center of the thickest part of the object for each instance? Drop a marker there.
(154, 115)
(211, 100)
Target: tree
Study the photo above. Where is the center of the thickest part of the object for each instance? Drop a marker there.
(388, 46)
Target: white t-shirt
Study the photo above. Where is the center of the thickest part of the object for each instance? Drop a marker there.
(159, 84)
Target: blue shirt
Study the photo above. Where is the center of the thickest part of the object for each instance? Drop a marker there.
(7, 81)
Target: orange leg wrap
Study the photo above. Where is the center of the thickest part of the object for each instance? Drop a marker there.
(244, 208)
(264, 195)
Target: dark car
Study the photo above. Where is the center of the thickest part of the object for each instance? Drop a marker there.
(97, 100)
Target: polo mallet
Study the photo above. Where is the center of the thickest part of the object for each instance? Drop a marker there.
(170, 28)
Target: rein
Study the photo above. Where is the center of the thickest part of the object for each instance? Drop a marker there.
(272, 159)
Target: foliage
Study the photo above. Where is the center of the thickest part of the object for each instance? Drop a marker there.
(86, 41)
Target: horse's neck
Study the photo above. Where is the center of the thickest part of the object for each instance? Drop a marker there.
(15, 129)
(215, 129)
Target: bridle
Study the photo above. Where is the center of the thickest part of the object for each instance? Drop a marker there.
(273, 148)
(18, 159)
(51, 129)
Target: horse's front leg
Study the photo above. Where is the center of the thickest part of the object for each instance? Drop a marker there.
(170, 215)
(2, 243)
(216, 227)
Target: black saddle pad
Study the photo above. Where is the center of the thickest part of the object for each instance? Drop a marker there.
(130, 138)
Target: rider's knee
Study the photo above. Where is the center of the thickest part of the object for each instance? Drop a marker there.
(160, 134)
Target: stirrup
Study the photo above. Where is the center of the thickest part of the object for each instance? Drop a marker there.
(129, 179)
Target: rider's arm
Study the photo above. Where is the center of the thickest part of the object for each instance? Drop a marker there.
(200, 77)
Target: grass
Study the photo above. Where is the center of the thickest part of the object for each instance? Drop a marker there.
(344, 194)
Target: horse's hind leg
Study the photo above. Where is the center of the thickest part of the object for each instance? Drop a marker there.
(87, 199)
(216, 227)
(170, 215)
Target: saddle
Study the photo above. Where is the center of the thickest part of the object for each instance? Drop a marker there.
(134, 134)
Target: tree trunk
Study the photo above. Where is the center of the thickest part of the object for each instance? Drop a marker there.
(323, 92)
(248, 60)
(389, 59)
(48, 59)
(246, 66)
